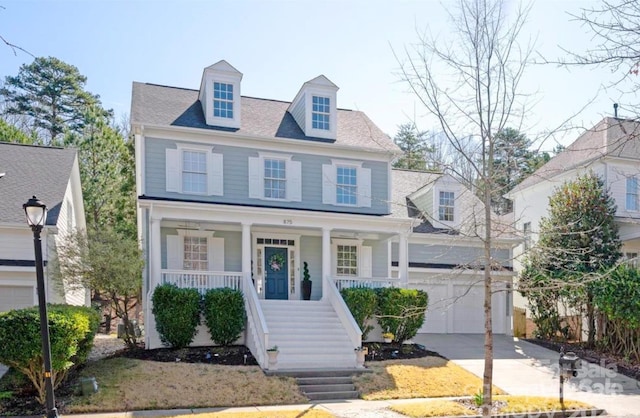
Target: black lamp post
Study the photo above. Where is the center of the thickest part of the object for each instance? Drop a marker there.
(36, 212)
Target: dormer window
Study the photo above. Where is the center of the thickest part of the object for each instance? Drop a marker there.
(321, 113)
(223, 100)
(446, 206)
(220, 95)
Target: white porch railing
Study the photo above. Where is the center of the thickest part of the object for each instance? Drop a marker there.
(203, 280)
(335, 299)
(257, 337)
(343, 282)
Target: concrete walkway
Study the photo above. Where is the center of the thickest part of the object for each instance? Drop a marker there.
(522, 368)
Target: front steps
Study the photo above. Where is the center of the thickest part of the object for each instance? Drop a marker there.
(324, 385)
(309, 336)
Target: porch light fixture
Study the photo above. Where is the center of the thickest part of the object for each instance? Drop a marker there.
(36, 213)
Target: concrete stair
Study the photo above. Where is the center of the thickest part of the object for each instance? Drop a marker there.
(324, 385)
(309, 335)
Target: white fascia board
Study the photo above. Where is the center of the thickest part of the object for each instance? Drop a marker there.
(190, 211)
(461, 241)
(253, 141)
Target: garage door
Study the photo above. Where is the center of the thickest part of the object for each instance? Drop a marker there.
(457, 307)
(15, 297)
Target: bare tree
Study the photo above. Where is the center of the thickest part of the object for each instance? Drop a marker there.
(471, 85)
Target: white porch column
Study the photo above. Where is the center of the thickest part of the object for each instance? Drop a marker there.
(403, 260)
(155, 254)
(246, 249)
(326, 258)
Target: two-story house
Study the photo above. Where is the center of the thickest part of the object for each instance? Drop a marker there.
(611, 150)
(51, 174)
(240, 192)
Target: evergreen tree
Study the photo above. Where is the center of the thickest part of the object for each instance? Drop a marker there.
(51, 94)
(578, 242)
(414, 145)
(9, 133)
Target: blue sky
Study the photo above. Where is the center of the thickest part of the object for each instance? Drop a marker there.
(278, 45)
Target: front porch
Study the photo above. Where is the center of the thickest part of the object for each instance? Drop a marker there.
(265, 260)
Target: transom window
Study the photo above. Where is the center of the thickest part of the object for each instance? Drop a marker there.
(632, 193)
(346, 185)
(275, 183)
(195, 253)
(194, 172)
(223, 100)
(445, 209)
(320, 113)
(347, 260)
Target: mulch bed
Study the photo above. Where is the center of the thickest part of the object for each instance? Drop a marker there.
(593, 355)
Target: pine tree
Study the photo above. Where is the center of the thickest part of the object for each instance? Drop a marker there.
(414, 145)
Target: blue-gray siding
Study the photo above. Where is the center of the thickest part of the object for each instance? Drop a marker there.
(311, 252)
(379, 265)
(454, 255)
(232, 248)
(236, 184)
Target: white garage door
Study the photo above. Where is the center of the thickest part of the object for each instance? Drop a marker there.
(457, 307)
(15, 297)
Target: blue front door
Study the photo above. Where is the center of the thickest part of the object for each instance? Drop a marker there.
(277, 271)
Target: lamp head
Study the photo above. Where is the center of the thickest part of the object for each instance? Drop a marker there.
(36, 212)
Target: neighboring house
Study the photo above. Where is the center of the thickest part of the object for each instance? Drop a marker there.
(612, 151)
(239, 191)
(53, 176)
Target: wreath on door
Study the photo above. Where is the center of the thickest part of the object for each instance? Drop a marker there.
(276, 262)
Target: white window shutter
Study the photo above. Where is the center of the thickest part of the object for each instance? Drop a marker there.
(294, 181)
(172, 170)
(364, 187)
(175, 252)
(216, 254)
(366, 261)
(255, 178)
(328, 184)
(215, 174)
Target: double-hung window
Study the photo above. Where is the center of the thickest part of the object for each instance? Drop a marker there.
(195, 253)
(347, 260)
(275, 178)
(223, 100)
(632, 193)
(347, 185)
(446, 206)
(526, 232)
(320, 113)
(194, 169)
(194, 172)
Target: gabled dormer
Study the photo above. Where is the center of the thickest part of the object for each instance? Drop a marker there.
(314, 108)
(220, 95)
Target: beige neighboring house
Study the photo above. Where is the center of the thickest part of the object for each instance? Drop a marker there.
(51, 174)
(611, 149)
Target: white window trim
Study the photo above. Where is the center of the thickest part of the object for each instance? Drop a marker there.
(437, 206)
(293, 177)
(330, 183)
(334, 254)
(214, 166)
(215, 249)
(214, 120)
(333, 112)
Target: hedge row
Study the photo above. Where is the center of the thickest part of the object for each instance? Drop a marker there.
(398, 311)
(178, 310)
(71, 333)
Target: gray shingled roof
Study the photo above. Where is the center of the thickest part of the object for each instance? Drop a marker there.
(610, 137)
(32, 170)
(171, 106)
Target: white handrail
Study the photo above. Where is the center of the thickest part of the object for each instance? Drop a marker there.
(258, 342)
(343, 282)
(344, 314)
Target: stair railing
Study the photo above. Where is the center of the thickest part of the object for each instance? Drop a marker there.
(344, 314)
(258, 332)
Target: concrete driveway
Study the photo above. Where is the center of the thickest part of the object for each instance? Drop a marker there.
(522, 368)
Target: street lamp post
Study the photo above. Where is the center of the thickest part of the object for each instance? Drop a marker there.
(36, 212)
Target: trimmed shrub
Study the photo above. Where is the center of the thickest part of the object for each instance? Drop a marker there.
(71, 333)
(362, 303)
(224, 314)
(177, 314)
(401, 311)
